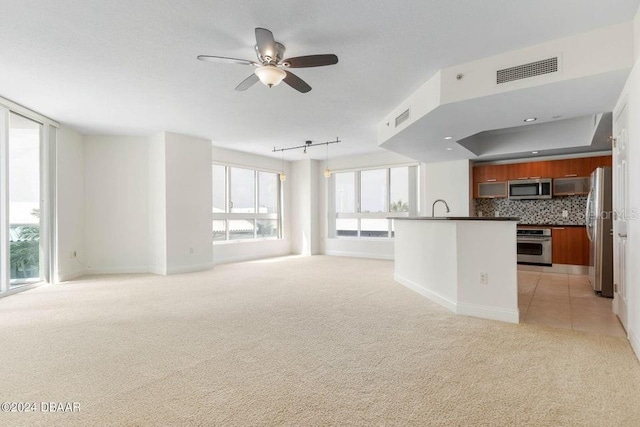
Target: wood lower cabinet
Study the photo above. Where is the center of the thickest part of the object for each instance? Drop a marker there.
(570, 245)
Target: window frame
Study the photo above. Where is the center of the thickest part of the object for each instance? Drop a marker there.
(47, 170)
(254, 217)
(413, 184)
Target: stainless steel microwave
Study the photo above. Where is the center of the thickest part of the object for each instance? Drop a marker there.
(523, 189)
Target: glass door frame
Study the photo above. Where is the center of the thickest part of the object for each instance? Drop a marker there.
(48, 133)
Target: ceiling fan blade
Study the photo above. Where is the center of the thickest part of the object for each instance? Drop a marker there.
(265, 42)
(247, 83)
(223, 59)
(296, 82)
(311, 61)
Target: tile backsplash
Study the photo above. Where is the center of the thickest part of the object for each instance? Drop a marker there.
(545, 211)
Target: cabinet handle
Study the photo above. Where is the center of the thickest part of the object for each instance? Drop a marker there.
(559, 228)
(526, 177)
(623, 235)
(491, 180)
(570, 175)
(534, 177)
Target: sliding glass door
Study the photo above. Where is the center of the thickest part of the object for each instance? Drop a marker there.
(26, 139)
(24, 154)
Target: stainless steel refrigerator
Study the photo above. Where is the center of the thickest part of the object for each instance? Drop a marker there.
(599, 221)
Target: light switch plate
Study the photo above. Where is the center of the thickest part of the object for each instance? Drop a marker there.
(565, 214)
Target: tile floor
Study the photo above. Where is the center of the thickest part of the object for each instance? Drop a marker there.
(565, 301)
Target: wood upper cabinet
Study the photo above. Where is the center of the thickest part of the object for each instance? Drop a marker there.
(570, 245)
(571, 186)
(489, 181)
(491, 190)
(490, 173)
(570, 168)
(530, 170)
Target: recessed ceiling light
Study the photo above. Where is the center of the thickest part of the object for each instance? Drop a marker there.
(531, 119)
(534, 152)
(449, 149)
(448, 137)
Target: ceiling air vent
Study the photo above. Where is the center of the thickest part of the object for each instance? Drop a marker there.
(532, 69)
(402, 118)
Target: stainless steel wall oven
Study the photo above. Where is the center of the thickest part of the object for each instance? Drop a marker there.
(534, 246)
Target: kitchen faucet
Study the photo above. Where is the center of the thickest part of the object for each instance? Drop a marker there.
(433, 207)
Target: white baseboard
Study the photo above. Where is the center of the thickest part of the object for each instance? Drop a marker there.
(492, 313)
(158, 270)
(65, 277)
(635, 343)
(557, 268)
(251, 257)
(433, 296)
(190, 268)
(134, 269)
(481, 311)
(359, 255)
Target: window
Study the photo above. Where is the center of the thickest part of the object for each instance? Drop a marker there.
(364, 200)
(246, 204)
(24, 243)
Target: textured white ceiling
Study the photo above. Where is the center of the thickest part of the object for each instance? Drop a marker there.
(129, 67)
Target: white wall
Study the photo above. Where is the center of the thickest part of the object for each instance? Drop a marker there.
(116, 176)
(598, 51)
(305, 222)
(234, 251)
(188, 203)
(70, 204)
(631, 95)
(444, 261)
(143, 204)
(157, 205)
(450, 181)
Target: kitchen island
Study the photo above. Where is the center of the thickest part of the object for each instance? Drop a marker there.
(466, 264)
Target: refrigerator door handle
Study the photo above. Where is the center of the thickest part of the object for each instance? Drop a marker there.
(588, 219)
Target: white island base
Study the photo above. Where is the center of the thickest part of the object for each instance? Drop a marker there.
(468, 265)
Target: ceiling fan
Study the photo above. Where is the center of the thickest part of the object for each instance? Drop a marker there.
(271, 68)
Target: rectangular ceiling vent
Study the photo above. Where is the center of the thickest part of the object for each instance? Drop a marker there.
(402, 118)
(532, 69)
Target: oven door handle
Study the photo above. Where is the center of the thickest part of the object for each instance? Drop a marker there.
(540, 240)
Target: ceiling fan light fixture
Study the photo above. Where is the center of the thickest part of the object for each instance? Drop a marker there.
(270, 75)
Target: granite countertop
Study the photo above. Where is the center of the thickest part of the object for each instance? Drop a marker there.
(551, 225)
(458, 218)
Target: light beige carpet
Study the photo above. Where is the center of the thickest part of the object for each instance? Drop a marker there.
(297, 341)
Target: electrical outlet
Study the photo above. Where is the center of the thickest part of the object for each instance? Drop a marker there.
(484, 278)
(480, 213)
(565, 214)
(497, 213)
